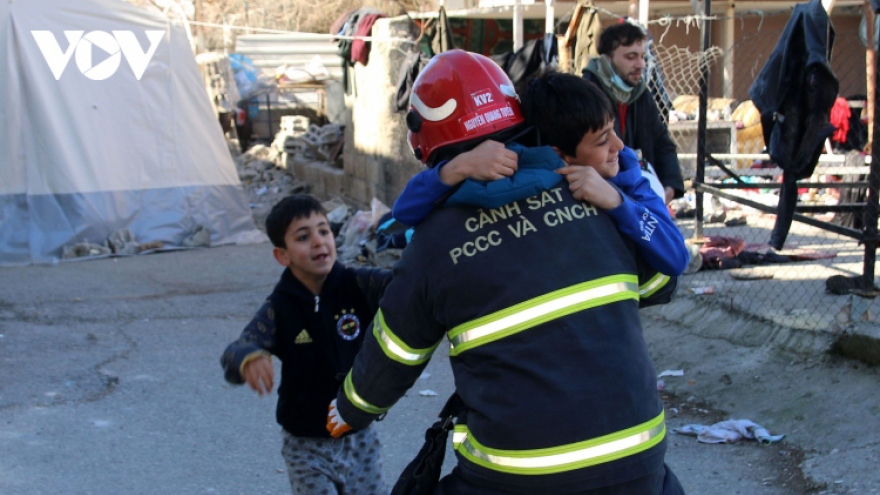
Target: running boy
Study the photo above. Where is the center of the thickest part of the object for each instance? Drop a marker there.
(314, 322)
(599, 170)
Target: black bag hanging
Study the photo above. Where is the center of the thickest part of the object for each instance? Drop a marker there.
(421, 475)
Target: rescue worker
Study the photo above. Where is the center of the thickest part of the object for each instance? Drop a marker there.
(539, 301)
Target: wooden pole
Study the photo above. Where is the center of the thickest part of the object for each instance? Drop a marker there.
(728, 40)
(566, 41)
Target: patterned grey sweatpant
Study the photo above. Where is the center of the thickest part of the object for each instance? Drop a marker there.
(351, 465)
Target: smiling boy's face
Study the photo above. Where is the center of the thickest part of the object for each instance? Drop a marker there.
(310, 249)
(598, 149)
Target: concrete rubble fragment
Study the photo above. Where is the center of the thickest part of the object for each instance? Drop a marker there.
(264, 182)
(200, 237)
(84, 250)
(122, 242)
(119, 243)
(310, 141)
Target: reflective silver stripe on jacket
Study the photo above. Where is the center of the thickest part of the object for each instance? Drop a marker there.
(359, 401)
(653, 285)
(565, 457)
(542, 309)
(393, 346)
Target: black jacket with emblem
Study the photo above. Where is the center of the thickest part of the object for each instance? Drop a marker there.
(315, 337)
(539, 301)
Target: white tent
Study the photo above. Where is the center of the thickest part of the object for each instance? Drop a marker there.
(105, 125)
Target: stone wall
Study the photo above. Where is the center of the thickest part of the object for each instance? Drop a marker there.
(378, 159)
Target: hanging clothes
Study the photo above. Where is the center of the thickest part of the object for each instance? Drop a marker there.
(438, 38)
(360, 48)
(532, 57)
(344, 44)
(794, 92)
(338, 25)
(441, 34)
(410, 68)
(840, 114)
(857, 136)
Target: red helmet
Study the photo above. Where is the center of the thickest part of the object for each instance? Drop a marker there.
(457, 97)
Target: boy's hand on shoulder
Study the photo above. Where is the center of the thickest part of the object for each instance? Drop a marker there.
(587, 185)
(490, 160)
(259, 374)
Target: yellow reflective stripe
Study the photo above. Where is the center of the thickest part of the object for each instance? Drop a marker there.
(459, 434)
(395, 349)
(567, 457)
(542, 309)
(653, 285)
(358, 401)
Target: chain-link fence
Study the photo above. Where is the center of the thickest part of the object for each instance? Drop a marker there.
(736, 267)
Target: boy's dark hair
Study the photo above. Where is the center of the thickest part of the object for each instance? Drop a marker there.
(563, 108)
(286, 211)
(624, 34)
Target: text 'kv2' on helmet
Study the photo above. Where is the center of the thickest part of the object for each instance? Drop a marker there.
(457, 97)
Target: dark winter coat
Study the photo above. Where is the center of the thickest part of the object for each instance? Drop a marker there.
(794, 93)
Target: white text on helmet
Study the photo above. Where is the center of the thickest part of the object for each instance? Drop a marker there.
(488, 117)
(482, 99)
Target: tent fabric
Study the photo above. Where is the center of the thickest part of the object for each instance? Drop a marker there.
(98, 150)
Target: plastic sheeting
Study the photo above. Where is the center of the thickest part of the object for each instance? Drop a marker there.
(105, 124)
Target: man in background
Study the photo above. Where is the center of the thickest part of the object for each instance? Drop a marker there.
(619, 71)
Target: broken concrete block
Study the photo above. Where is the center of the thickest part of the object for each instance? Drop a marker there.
(83, 250)
(248, 174)
(122, 242)
(201, 237)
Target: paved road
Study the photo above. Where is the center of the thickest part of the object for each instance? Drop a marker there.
(111, 384)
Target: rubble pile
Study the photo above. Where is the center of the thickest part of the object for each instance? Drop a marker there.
(264, 182)
(309, 141)
(357, 236)
(119, 243)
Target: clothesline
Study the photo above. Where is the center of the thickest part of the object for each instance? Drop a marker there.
(666, 20)
(328, 37)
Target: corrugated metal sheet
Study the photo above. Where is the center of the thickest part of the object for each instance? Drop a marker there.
(295, 49)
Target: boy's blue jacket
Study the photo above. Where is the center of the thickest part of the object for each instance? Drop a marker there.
(642, 217)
